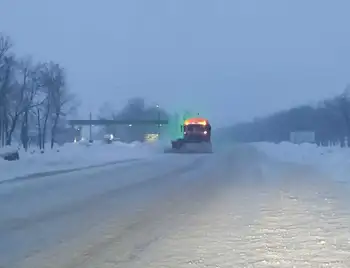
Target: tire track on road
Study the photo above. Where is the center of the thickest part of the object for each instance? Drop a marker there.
(125, 231)
(92, 202)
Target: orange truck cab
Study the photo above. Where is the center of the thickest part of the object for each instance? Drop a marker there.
(196, 137)
(196, 130)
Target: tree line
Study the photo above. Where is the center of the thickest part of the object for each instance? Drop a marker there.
(34, 98)
(135, 109)
(329, 119)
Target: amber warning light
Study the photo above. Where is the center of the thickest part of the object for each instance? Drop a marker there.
(191, 122)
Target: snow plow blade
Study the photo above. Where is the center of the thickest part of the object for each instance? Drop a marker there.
(194, 148)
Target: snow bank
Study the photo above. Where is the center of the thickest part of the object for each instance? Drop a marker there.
(290, 152)
(8, 149)
(73, 155)
(333, 160)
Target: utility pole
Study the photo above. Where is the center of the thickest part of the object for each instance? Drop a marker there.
(158, 120)
(90, 130)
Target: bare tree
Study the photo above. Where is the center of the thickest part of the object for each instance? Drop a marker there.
(38, 116)
(43, 112)
(31, 95)
(20, 96)
(342, 102)
(5, 45)
(60, 102)
(32, 101)
(107, 111)
(6, 67)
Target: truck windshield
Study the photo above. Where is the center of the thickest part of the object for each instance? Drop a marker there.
(195, 128)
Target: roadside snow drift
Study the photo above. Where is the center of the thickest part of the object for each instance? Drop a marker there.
(73, 155)
(335, 161)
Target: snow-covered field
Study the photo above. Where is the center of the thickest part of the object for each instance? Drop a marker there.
(333, 161)
(73, 156)
(234, 208)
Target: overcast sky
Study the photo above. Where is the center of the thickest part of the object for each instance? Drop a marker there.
(230, 60)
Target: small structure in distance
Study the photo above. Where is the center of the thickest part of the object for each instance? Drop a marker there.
(299, 137)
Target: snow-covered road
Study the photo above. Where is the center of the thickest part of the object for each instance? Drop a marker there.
(234, 208)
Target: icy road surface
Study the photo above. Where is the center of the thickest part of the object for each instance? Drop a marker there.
(229, 209)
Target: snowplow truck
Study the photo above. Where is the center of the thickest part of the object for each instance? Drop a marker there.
(196, 137)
